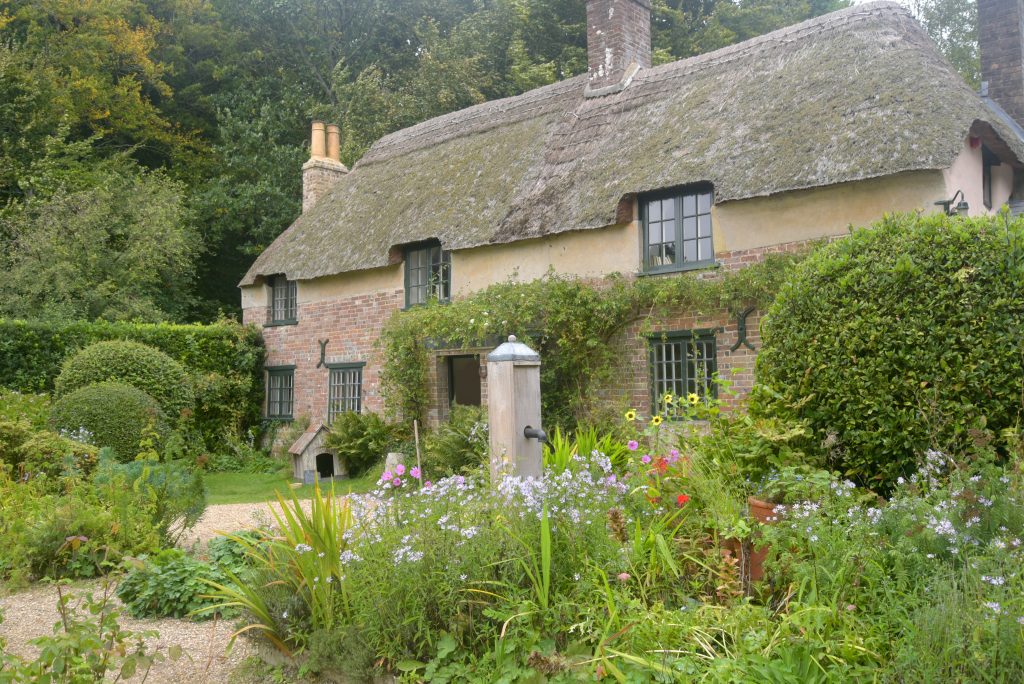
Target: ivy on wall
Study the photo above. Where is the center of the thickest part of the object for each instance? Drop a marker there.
(572, 323)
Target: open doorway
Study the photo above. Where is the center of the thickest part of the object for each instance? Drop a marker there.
(325, 466)
(464, 380)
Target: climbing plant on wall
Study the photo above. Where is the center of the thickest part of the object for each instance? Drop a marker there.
(572, 323)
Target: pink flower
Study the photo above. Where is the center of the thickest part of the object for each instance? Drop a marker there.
(386, 476)
(645, 459)
(673, 456)
(633, 445)
(397, 482)
(399, 469)
(415, 472)
(426, 484)
(623, 577)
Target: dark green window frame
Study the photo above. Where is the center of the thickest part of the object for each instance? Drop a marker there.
(428, 274)
(284, 307)
(988, 160)
(344, 389)
(682, 363)
(677, 231)
(280, 392)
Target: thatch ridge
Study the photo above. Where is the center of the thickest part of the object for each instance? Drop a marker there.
(851, 95)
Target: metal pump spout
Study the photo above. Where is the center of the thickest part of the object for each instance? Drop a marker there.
(535, 433)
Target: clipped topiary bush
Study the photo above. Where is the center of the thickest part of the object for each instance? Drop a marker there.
(112, 413)
(131, 363)
(900, 338)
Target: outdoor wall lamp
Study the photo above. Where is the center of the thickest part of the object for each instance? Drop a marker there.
(960, 207)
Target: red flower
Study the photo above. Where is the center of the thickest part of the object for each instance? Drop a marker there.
(681, 500)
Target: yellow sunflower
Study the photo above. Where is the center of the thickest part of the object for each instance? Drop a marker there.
(668, 398)
(656, 421)
(693, 398)
(631, 414)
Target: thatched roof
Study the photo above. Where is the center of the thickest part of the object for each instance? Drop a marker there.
(855, 94)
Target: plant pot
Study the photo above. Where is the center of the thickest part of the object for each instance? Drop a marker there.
(764, 513)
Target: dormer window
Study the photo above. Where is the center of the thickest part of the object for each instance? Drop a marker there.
(677, 230)
(283, 301)
(428, 274)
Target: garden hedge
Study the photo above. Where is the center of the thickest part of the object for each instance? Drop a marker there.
(901, 337)
(225, 360)
(115, 415)
(139, 365)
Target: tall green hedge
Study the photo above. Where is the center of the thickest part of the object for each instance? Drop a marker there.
(902, 337)
(224, 359)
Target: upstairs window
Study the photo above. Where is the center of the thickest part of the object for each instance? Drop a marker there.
(682, 364)
(677, 230)
(280, 392)
(428, 274)
(345, 390)
(283, 300)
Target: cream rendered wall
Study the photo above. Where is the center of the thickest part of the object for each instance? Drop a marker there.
(591, 253)
(966, 174)
(820, 212)
(385, 279)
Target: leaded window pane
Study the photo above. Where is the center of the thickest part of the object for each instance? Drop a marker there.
(345, 391)
(678, 226)
(280, 393)
(428, 275)
(284, 300)
(682, 366)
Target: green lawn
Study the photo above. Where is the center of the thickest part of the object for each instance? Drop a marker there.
(231, 488)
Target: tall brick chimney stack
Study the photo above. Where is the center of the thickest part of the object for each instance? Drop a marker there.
(1001, 38)
(618, 43)
(324, 167)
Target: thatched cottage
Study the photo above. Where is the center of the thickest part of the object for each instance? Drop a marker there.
(649, 171)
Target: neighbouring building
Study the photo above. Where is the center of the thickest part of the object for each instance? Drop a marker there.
(648, 171)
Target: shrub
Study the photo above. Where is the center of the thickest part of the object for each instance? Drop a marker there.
(131, 363)
(898, 338)
(360, 440)
(35, 408)
(173, 491)
(168, 584)
(460, 445)
(114, 415)
(51, 455)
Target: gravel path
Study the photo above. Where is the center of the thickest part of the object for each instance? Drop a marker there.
(226, 518)
(32, 613)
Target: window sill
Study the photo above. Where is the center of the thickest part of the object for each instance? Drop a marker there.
(278, 324)
(279, 419)
(441, 302)
(681, 268)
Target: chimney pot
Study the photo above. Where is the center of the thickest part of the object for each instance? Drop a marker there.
(618, 43)
(318, 141)
(334, 142)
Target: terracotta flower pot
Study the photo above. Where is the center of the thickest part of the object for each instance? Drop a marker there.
(762, 512)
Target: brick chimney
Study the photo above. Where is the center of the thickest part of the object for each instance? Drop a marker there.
(324, 167)
(618, 43)
(1001, 38)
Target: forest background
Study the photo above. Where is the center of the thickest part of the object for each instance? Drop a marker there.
(150, 149)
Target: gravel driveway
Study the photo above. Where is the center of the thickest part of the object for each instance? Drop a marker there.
(32, 613)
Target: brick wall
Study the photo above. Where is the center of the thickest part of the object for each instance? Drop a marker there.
(352, 325)
(318, 176)
(1001, 38)
(618, 34)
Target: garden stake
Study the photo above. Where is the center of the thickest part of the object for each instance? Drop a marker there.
(416, 436)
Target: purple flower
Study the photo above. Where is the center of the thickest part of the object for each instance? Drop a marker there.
(397, 482)
(645, 459)
(399, 469)
(415, 472)
(386, 476)
(427, 484)
(633, 445)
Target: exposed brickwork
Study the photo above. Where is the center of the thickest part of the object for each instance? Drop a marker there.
(1001, 37)
(352, 325)
(618, 35)
(318, 175)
